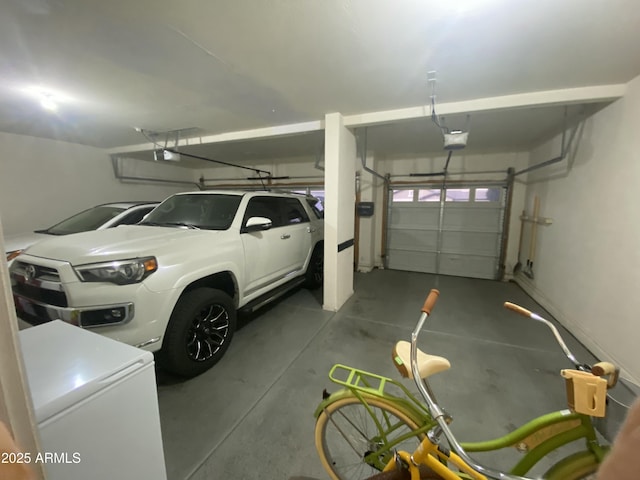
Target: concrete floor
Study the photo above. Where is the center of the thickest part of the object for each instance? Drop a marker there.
(251, 416)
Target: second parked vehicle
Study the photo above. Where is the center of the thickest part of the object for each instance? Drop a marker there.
(97, 218)
(173, 283)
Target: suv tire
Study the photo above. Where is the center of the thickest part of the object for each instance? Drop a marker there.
(199, 332)
(314, 275)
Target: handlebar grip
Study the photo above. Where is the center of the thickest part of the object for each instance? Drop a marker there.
(430, 301)
(518, 309)
(602, 369)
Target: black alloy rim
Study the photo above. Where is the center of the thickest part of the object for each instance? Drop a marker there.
(208, 332)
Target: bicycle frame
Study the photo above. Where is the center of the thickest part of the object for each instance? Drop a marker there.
(432, 456)
(546, 433)
(535, 439)
(542, 435)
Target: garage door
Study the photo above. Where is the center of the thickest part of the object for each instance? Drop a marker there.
(471, 237)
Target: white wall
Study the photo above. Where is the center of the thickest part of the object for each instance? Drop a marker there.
(587, 270)
(44, 181)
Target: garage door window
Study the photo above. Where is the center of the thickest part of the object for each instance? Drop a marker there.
(487, 195)
(458, 194)
(429, 195)
(403, 195)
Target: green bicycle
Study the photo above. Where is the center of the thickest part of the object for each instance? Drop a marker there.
(360, 427)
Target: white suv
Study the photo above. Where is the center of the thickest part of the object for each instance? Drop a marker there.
(174, 282)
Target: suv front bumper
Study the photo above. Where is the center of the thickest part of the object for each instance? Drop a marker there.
(35, 313)
(132, 314)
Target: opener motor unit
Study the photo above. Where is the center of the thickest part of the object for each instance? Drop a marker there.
(455, 140)
(166, 156)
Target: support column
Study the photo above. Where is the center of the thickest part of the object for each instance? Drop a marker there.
(339, 180)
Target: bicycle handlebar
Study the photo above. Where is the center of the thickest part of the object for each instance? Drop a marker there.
(534, 316)
(439, 415)
(430, 301)
(518, 309)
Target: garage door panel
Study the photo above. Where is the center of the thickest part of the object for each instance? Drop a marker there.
(412, 260)
(412, 217)
(480, 243)
(468, 266)
(418, 240)
(473, 218)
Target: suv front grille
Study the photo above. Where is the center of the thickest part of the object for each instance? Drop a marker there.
(38, 283)
(39, 294)
(42, 273)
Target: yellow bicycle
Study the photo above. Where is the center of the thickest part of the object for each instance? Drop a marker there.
(365, 428)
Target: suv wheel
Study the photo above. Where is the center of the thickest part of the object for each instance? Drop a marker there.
(199, 332)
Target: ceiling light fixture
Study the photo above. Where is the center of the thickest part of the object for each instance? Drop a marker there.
(48, 98)
(48, 104)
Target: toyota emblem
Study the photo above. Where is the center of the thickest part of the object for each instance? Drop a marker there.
(30, 273)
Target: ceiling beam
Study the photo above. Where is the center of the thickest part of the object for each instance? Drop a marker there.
(275, 131)
(593, 94)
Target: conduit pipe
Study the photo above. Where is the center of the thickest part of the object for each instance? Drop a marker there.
(363, 158)
(116, 172)
(385, 198)
(318, 159)
(385, 220)
(563, 149)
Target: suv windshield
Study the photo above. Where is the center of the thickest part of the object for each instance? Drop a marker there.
(84, 221)
(206, 211)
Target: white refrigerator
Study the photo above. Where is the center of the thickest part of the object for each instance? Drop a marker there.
(96, 405)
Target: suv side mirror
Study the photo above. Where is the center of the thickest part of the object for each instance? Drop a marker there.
(255, 224)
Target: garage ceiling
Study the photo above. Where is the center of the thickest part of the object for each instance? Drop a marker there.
(234, 65)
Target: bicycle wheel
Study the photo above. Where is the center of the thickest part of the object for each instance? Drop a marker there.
(352, 446)
(579, 466)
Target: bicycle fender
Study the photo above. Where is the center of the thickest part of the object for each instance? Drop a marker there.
(573, 466)
(335, 396)
(400, 404)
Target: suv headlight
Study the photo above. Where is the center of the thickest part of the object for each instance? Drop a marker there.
(120, 272)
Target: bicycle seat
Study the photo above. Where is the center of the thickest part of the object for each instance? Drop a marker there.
(427, 364)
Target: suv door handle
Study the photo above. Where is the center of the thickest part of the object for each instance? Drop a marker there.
(284, 236)
(311, 229)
